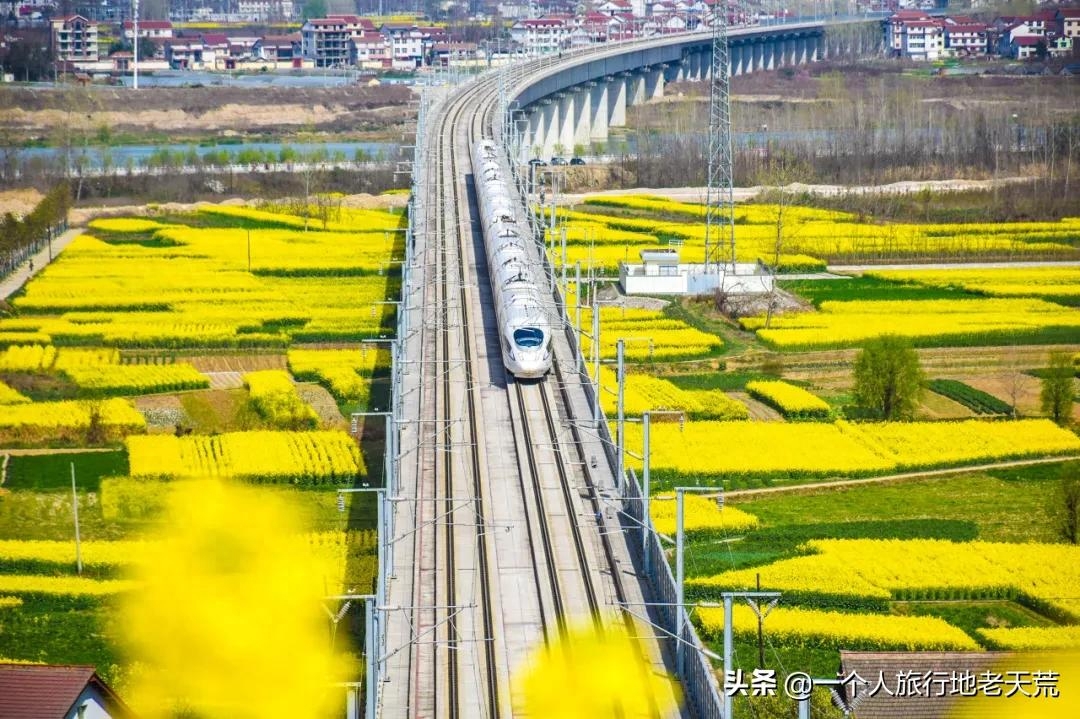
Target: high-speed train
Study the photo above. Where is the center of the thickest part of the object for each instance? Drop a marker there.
(524, 329)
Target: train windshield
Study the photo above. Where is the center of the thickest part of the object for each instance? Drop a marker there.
(528, 337)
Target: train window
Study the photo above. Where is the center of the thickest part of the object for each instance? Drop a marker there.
(528, 337)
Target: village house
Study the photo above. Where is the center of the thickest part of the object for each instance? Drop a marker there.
(34, 691)
(963, 36)
(75, 39)
(541, 36)
(149, 29)
(278, 48)
(328, 41)
(263, 10)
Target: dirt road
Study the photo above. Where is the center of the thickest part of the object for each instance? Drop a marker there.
(932, 473)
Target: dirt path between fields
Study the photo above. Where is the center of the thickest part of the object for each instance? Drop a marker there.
(742, 194)
(56, 450)
(890, 478)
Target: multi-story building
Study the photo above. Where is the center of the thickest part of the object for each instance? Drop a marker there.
(966, 38)
(407, 44)
(263, 10)
(542, 35)
(1070, 24)
(277, 48)
(150, 29)
(75, 39)
(895, 29)
(923, 40)
(328, 41)
(373, 52)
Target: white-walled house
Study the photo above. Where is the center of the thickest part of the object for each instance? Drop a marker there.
(34, 691)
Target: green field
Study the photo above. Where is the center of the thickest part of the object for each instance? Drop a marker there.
(1006, 506)
(52, 472)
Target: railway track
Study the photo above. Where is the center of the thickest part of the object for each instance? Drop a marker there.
(505, 548)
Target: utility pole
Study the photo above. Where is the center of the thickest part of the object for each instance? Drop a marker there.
(753, 599)
(620, 421)
(135, 43)
(596, 358)
(646, 518)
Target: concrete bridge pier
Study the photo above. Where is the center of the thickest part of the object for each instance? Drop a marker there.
(599, 110)
(583, 115)
(741, 59)
(757, 57)
(549, 126)
(617, 89)
(654, 83)
(635, 88)
(567, 124)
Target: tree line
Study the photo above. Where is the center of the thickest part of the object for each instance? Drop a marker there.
(20, 238)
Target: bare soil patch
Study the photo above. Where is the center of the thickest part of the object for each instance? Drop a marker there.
(935, 406)
(235, 363)
(758, 410)
(229, 110)
(19, 202)
(323, 403)
(163, 412)
(225, 380)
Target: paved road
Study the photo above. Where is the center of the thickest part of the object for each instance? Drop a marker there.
(14, 282)
(930, 473)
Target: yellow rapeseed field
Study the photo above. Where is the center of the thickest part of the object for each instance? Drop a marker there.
(708, 450)
(205, 287)
(840, 630)
(122, 225)
(809, 236)
(346, 373)
(643, 393)
(307, 458)
(790, 400)
(64, 586)
(10, 396)
(649, 335)
(700, 514)
(1043, 574)
(275, 398)
(1031, 638)
(1061, 283)
(38, 421)
(924, 322)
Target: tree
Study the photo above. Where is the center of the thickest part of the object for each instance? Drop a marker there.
(1057, 388)
(1065, 504)
(888, 377)
(314, 9)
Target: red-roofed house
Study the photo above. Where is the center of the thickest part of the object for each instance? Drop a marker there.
(542, 35)
(373, 52)
(75, 39)
(1070, 23)
(922, 39)
(613, 7)
(39, 691)
(278, 48)
(966, 38)
(1025, 47)
(894, 29)
(152, 29)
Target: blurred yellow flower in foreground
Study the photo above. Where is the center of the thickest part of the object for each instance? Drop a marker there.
(591, 673)
(1028, 702)
(225, 621)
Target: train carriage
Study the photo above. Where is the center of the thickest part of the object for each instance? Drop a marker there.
(524, 329)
